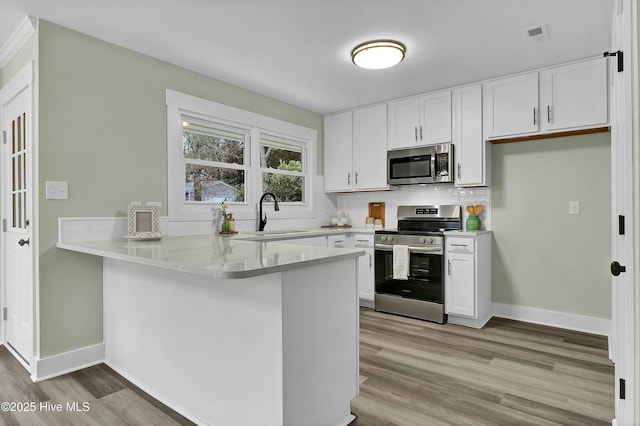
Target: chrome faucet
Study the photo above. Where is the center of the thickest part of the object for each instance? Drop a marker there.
(263, 221)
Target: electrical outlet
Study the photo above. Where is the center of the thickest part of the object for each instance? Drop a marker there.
(57, 190)
(574, 207)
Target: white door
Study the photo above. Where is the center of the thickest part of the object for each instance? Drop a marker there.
(370, 147)
(467, 135)
(511, 105)
(460, 298)
(574, 95)
(622, 333)
(17, 209)
(404, 117)
(436, 118)
(338, 151)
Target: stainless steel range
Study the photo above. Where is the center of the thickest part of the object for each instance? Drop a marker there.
(409, 262)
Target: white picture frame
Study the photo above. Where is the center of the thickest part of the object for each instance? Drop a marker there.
(144, 220)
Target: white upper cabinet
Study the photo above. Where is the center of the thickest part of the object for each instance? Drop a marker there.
(370, 148)
(469, 151)
(436, 118)
(355, 150)
(420, 120)
(568, 97)
(574, 96)
(404, 119)
(511, 105)
(338, 151)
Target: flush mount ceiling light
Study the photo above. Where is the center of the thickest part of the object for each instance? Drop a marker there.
(378, 54)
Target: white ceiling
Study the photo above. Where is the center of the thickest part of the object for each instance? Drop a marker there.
(297, 51)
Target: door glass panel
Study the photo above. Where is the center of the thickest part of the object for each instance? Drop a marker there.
(19, 171)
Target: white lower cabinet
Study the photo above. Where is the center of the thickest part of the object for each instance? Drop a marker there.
(311, 241)
(366, 269)
(468, 278)
(338, 241)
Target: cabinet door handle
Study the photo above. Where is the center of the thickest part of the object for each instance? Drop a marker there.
(415, 129)
(534, 116)
(448, 267)
(548, 113)
(348, 179)
(420, 132)
(356, 178)
(370, 260)
(459, 172)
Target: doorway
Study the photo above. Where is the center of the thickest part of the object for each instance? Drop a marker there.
(16, 115)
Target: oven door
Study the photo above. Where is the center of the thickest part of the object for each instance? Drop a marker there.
(425, 274)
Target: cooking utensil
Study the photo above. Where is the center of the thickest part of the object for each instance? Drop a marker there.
(376, 211)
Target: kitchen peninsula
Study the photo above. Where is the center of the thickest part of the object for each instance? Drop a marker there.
(233, 332)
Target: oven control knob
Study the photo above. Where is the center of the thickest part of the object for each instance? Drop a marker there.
(389, 237)
(430, 240)
(422, 240)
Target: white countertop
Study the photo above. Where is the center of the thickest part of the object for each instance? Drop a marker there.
(463, 233)
(217, 256)
(287, 234)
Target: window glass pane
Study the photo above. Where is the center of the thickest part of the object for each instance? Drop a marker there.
(280, 155)
(287, 188)
(212, 144)
(213, 184)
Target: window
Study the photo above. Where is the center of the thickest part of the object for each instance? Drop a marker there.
(217, 153)
(214, 162)
(282, 168)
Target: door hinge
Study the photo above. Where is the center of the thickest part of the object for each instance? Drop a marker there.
(620, 224)
(4, 225)
(623, 391)
(620, 56)
(4, 313)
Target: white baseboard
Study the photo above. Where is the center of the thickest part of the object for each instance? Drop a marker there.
(565, 320)
(67, 362)
(367, 303)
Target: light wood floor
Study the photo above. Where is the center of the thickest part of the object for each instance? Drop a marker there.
(110, 398)
(412, 373)
(509, 373)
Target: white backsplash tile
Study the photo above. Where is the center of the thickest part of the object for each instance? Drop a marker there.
(356, 204)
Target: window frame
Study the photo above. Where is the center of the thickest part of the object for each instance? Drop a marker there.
(245, 166)
(180, 104)
(304, 159)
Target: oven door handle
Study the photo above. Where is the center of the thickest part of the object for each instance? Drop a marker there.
(389, 247)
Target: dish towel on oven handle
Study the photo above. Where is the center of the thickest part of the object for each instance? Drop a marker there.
(400, 262)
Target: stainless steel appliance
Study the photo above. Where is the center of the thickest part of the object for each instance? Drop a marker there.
(426, 164)
(420, 229)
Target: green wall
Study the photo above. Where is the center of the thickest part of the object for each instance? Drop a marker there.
(103, 130)
(542, 256)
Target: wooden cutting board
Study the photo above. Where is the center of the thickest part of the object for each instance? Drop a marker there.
(376, 210)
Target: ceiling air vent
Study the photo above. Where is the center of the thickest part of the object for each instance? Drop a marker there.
(537, 34)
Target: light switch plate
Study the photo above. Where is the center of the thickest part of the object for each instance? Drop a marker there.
(574, 207)
(57, 190)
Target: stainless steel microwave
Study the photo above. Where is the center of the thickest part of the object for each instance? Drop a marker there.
(425, 164)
